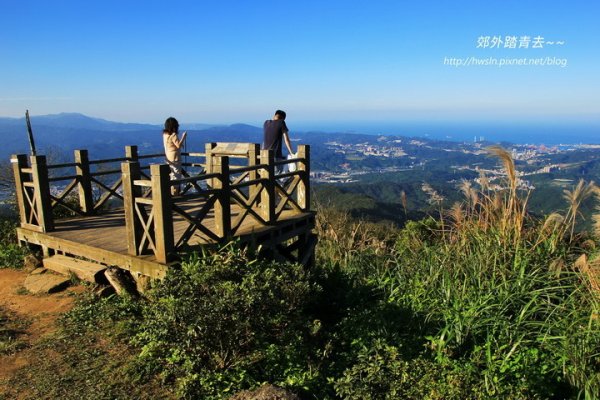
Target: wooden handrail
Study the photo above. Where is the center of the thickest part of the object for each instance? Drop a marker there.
(107, 160)
(66, 165)
(109, 172)
(151, 156)
(143, 182)
(63, 178)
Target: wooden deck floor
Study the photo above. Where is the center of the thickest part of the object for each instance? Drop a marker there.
(102, 238)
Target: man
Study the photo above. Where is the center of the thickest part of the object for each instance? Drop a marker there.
(275, 131)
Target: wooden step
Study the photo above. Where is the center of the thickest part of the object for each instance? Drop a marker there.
(84, 270)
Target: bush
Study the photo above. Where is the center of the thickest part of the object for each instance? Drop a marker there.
(382, 372)
(225, 322)
(11, 254)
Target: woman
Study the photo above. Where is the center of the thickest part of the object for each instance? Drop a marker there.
(173, 146)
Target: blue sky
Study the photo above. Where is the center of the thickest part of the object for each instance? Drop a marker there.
(322, 61)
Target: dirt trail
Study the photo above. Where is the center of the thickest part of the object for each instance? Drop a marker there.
(41, 311)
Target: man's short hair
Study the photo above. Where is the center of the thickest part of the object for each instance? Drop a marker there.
(280, 114)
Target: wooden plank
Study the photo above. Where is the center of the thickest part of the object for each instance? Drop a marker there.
(142, 265)
(232, 149)
(84, 270)
(102, 235)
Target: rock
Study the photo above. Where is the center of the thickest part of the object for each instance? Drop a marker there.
(265, 392)
(31, 262)
(46, 283)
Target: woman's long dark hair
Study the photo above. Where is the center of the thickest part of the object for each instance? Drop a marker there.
(171, 125)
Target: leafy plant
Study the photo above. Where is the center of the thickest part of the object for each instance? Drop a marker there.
(11, 254)
(225, 322)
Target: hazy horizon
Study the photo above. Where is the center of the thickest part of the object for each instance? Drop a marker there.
(514, 131)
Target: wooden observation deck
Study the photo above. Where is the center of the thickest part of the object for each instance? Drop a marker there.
(120, 212)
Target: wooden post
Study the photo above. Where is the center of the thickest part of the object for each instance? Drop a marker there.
(209, 156)
(19, 162)
(163, 214)
(304, 185)
(267, 174)
(253, 160)
(133, 227)
(222, 205)
(82, 169)
(131, 153)
(39, 175)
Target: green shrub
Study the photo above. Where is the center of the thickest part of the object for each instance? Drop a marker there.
(225, 322)
(383, 372)
(11, 254)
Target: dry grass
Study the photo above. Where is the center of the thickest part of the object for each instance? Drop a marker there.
(575, 198)
(597, 214)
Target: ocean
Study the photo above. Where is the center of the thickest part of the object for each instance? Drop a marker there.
(532, 133)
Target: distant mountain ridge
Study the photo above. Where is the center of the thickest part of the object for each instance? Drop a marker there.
(59, 134)
(65, 132)
(81, 121)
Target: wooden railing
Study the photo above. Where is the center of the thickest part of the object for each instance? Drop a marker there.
(225, 198)
(33, 192)
(86, 185)
(239, 183)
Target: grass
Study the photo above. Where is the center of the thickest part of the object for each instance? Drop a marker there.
(486, 301)
(11, 330)
(88, 357)
(22, 291)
